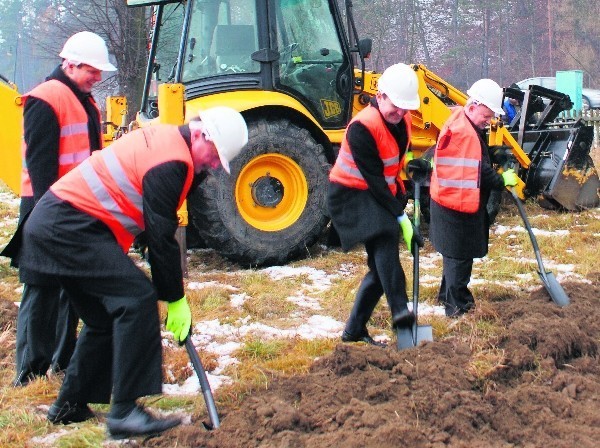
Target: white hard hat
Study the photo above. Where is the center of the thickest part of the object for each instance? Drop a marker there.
(87, 48)
(227, 129)
(400, 83)
(489, 93)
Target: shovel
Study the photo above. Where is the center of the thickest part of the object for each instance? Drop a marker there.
(411, 337)
(557, 293)
(204, 385)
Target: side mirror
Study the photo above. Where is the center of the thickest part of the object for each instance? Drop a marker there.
(364, 47)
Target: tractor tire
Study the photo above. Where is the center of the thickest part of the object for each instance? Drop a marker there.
(272, 206)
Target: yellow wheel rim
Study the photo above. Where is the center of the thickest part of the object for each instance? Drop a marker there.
(271, 192)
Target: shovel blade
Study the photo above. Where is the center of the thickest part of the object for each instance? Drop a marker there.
(424, 333)
(404, 336)
(557, 293)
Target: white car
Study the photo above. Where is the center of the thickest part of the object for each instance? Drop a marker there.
(590, 97)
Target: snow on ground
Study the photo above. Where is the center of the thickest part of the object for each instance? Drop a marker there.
(501, 230)
(9, 199)
(223, 340)
(321, 281)
(211, 284)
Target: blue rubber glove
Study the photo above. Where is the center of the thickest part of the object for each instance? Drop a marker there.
(179, 319)
(510, 178)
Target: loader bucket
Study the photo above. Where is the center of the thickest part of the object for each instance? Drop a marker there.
(11, 130)
(562, 173)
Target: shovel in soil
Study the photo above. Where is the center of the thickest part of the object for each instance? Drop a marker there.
(204, 385)
(411, 337)
(557, 293)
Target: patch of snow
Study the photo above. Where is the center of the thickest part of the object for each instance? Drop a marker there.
(429, 310)
(321, 281)
(237, 300)
(431, 261)
(305, 302)
(49, 439)
(191, 386)
(428, 280)
(501, 230)
(211, 284)
(206, 332)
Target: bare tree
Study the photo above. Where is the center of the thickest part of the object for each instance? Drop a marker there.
(124, 29)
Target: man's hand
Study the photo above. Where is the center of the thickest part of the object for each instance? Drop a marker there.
(419, 168)
(179, 319)
(510, 178)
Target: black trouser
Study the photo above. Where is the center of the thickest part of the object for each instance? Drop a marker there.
(385, 276)
(454, 293)
(46, 331)
(119, 348)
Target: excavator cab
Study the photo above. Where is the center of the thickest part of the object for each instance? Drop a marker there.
(295, 47)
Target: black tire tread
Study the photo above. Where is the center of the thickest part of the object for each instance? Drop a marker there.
(213, 211)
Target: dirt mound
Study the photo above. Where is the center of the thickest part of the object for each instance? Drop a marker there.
(544, 390)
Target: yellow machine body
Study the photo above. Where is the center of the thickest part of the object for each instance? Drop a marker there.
(11, 136)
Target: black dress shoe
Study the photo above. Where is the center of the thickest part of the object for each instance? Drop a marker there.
(347, 337)
(137, 423)
(403, 319)
(66, 413)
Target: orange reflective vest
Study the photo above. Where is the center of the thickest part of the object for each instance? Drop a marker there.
(455, 181)
(108, 185)
(74, 143)
(346, 172)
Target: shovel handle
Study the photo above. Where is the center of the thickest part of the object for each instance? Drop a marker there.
(204, 384)
(536, 248)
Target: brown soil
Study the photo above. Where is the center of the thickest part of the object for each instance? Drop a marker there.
(545, 392)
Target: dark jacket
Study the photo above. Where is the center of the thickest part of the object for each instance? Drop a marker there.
(360, 215)
(465, 235)
(42, 133)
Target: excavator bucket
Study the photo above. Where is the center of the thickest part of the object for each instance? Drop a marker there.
(561, 174)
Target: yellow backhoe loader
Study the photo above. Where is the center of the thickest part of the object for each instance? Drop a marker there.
(296, 70)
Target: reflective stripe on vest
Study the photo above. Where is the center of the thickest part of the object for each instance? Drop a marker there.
(73, 129)
(73, 144)
(347, 164)
(457, 165)
(346, 172)
(108, 185)
(103, 196)
(73, 158)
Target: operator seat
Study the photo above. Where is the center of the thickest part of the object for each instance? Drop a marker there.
(232, 46)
